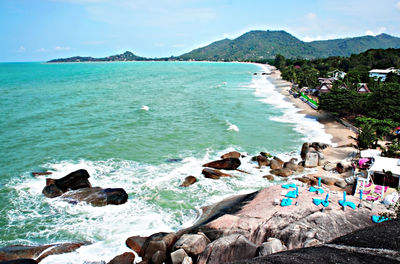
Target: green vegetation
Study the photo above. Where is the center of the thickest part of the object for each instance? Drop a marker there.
(262, 46)
(376, 113)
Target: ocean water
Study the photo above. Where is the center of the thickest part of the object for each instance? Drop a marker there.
(122, 122)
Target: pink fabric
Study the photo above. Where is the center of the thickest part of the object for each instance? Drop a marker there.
(370, 198)
(362, 161)
(367, 192)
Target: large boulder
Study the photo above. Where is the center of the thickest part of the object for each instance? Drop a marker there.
(214, 174)
(293, 166)
(275, 164)
(97, 196)
(37, 253)
(262, 161)
(227, 249)
(284, 172)
(311, 160)
(232, 154)
(125, 258)
(178, 256)
(75, 180)
(272, 246)
(193, 244)
(157, 247)
(189, 180)
(135, 243)
(225, 164)
(304, 150)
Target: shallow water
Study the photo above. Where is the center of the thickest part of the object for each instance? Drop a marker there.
(122, 122)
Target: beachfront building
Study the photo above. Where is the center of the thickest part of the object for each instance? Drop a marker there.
(362, 88)
(324, 88)
(379, 74)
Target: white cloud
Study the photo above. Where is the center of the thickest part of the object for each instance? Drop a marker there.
(369, 33)
(398, 5)
(21, 49)
(41, 50)
(62, 48)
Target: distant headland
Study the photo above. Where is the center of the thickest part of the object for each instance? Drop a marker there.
(261, 45)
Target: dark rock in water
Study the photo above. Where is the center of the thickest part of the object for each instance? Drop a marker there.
(174, 160)
(232, 154)
(73, 181)
(279, 160)
(269, 177)
(293, 167)
(275, 164)
(189, 180)
(227, 249)
(225, 164)
(52, 191)
(126, 258)
(284, 172)
(262, 161)
(41, 173)
(37, 253)
(19, 261)
(135, 243)
(214, 174)
(97, 196)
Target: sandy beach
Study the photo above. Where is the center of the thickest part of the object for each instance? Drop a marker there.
(341, 135)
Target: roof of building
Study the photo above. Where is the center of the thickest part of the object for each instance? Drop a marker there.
(387, 164)
(363, 88)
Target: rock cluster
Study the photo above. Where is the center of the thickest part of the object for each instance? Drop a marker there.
(75, 187)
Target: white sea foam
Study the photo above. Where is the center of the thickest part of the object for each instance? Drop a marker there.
(145, 108)
(232, 127)
(308, 126)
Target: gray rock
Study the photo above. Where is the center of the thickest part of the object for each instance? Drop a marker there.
(275, 164)
(272, 245)
(329, 166)
(311, 160)
(341, 183)
(192, 244)
(97, 196)
(178, 256)
(227, 249)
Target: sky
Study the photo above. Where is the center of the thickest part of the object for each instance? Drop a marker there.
(40, 30)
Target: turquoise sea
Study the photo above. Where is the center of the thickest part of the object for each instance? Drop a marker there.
(122, 122)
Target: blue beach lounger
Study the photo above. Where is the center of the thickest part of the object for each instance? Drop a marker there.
(286, 202)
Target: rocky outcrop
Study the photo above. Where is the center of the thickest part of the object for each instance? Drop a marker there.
(189, 180)
(125, 258)
(274, 164)
(296, 226)
(193, 244)
(38, 253)
(214, 174)
(232, 154)
(75, 180)
(273, 245)
(224, 164)
(97, 196)
(375, 244)
(227, 249)
(157, 248)
(284, 172)
(262, 161)
(135, 243)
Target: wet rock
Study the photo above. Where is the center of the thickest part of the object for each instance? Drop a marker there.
(178, 256)
(193, 244)
(225, 164)
(187, 260)
(135, 243)
(97, 196)
(269, 177)
(304, 150)
(41, 173)
(262, 161)
(214, 174)
(294, 167)
(157, 247)
(276, 164)
(189, 180)
(125, 258)
(227, 249)
(266, 154)
(159, 257)
(284, 172)
(279, 160)
(37, 253)
(73, 181)
(272, 245)
(232, 154)
(311, 160)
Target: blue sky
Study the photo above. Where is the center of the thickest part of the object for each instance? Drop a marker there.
(39, 30)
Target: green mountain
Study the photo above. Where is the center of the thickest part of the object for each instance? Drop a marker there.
(261, 45)
(127, 56)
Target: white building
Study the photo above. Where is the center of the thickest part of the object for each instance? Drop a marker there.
(381, 74)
